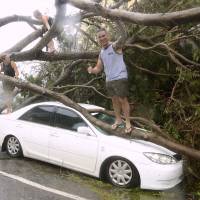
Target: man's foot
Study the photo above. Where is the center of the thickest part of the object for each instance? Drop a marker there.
(128, 130)
(117, 125)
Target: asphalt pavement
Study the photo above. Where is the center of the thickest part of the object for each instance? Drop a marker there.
(27, 179)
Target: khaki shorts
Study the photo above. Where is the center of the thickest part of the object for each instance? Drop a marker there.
(117, 88)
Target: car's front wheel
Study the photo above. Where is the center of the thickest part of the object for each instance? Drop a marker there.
(122, 173)
(13, 147)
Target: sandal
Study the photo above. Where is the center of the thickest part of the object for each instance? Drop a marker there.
(128, 130)
(116, 125)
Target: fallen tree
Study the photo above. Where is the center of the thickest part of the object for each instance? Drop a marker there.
(152, 136)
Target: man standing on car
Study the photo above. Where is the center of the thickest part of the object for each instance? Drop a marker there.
(111, 60)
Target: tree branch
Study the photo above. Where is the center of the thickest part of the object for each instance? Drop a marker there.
(18, 18)
(25, 41)
(159, 19)
(45, 56)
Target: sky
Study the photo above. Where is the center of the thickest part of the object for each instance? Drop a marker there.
(14, 32)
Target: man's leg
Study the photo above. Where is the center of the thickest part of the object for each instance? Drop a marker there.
(9, 101)
(117, 109)
(126, 111)
(9, 108)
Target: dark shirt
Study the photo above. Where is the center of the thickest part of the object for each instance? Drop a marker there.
(50, 21)
(8, 70)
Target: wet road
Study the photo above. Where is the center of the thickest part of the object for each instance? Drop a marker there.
(12, 189)
(26, 179)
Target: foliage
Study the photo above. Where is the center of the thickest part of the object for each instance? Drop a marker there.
(169, 94)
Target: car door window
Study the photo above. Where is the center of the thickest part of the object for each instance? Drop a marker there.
(68, 119)
(39, 114)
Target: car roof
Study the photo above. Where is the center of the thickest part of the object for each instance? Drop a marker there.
(19, 112)
(90, 106)
(56, 103)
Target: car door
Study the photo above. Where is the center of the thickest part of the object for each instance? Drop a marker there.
(36, 127)
(70, 148)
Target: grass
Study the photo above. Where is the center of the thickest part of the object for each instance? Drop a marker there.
(106, 191)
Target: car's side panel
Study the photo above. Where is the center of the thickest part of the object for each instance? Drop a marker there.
(152, 175)
(4, 130)
(73, 150)
(35, 139)
(109, 149)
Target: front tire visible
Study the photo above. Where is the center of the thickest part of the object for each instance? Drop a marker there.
(13, 147)
(122, 173)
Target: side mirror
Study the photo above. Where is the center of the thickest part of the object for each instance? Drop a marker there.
(84, 130)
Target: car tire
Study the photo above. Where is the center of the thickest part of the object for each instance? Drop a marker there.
(13, 147)
(122, 173)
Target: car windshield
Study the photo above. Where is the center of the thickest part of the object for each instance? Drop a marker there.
(108, 119)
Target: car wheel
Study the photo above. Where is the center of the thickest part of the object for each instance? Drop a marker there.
(13, 147)
(122, 173)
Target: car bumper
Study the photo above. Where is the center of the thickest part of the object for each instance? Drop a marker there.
(162, 177)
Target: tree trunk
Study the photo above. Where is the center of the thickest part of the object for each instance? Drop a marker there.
(149, 136)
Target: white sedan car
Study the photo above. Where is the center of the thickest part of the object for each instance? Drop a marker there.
(57, 134)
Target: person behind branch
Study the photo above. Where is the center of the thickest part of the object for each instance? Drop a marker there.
(111, 60)
(9, 68)
(47, 22)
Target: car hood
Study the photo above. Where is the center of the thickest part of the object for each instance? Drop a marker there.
(151, 147)
(137, 145)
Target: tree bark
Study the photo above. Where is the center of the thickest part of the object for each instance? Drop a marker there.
(159, 19)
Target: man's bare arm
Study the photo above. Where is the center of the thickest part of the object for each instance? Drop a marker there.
(14, 66)
(45, 22)
(98, 67)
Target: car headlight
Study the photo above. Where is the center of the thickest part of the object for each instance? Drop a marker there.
(160, 158)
